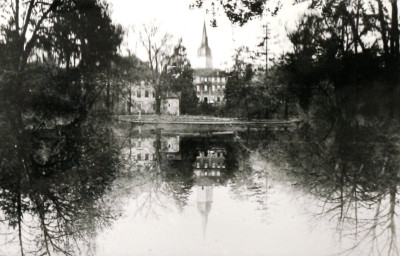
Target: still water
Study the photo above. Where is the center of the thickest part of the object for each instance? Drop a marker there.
(124, 190)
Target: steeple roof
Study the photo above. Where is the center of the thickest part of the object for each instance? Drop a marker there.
(204, 40)
(204, 50)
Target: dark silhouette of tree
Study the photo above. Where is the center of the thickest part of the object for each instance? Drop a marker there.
(238, 11)
(178, 78)
(75, 38)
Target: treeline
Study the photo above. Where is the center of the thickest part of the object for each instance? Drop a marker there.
(344, 64)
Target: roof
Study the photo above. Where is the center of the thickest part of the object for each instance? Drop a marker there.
(208, 72)
(170, 95)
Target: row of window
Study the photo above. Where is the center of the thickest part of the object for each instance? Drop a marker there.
(212, 173)
(213, 87)
(146, 94)
(140, 157)
(198, 165)
(199, 79)
(211, 154)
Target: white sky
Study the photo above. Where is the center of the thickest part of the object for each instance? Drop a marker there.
(175, 17)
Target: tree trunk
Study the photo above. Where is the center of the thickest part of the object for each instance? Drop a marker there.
(394, 42)
(381, 17)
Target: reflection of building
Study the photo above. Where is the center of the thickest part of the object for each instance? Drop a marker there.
(208, 169)
(209, 163)
(143, 150)
(204, 203)
(170, 147)
(143, 98)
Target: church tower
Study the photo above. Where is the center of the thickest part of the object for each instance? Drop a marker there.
(204, 52)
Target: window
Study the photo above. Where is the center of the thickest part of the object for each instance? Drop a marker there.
(198, 165)
(146, 94)
(205, 88)
(206, 165)
(205, 79)
(218, 99)
(139, 157)
(139, 144)
(139, 94)
(213, 88)
(198, 88)
(146, 157)
(154, 94)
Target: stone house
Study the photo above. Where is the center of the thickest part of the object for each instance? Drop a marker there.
(143, 98)
(170, 104)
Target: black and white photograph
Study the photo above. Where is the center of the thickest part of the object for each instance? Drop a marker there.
(199, 128)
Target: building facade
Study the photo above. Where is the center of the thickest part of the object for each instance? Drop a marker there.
(169, 104)
(210, 86)
(209, 83)
(143, 98)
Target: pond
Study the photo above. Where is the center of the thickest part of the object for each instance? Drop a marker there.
(124, 190)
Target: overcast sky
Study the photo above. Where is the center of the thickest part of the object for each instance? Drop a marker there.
(175, 17)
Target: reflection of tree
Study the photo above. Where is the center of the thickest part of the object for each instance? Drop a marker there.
(352, 173)
(52, 194)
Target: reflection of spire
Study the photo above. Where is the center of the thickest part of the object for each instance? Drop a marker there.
(204, 203)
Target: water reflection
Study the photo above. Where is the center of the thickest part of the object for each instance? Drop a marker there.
(99, 188)
(51, 183)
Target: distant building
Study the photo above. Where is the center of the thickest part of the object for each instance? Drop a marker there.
(142, 98)
(170, 104)
(209, 83)
(210, 86)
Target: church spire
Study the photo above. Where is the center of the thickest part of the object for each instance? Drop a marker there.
(204, 40)
(204, 51)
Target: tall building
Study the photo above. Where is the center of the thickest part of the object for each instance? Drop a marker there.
(204, 52)
(209, 83)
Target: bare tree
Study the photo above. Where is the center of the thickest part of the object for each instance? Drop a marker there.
(159, 48)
